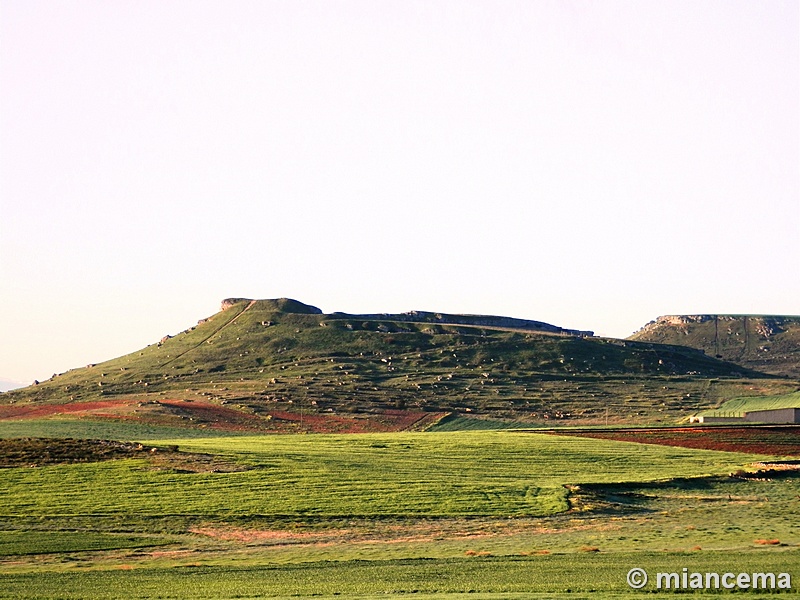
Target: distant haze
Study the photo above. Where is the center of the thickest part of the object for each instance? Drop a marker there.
(6, 385)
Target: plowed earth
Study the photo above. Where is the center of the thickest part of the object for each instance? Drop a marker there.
(39, 452)
(781, 441)
(199, 414)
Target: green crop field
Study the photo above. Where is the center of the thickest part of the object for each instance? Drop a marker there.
(555, 576)
(738, 406)
(478, 514)
(106, 429)
(367, 475)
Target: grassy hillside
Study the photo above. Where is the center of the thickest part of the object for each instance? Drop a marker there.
(765, 343)
(280, 365)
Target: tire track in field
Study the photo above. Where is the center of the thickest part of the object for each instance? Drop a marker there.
(211, 335)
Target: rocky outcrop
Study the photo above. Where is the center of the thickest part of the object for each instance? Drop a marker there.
(282, 305)
(767, 343)
(763, 325)
(230, 302)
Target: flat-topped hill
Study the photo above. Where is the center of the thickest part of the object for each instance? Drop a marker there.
(282, 305)
(762, 342)
(282, 365)
(287, 305)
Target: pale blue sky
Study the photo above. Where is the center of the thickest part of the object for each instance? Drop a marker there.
(589, 164)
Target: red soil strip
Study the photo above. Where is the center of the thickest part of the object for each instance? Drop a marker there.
(198, 414)
(783, 441)
(45, 410)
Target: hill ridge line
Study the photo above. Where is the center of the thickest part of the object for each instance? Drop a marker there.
(212, 334)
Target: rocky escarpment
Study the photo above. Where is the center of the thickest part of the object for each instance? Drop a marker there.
(767, 343)
(289, 306)
(416, 316)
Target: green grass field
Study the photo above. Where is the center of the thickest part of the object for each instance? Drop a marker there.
(107, 429)
(554, 576)
(455, 474)
(479, 514)
(738, 406)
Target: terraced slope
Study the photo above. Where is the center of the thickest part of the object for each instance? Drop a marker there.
(281, 365)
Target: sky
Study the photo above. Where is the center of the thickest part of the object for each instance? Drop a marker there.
(591, 164)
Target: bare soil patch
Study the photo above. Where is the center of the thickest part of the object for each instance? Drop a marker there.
(781, 441)
(39, 452)
(27, 452)
(383, 532)
(37, 411)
